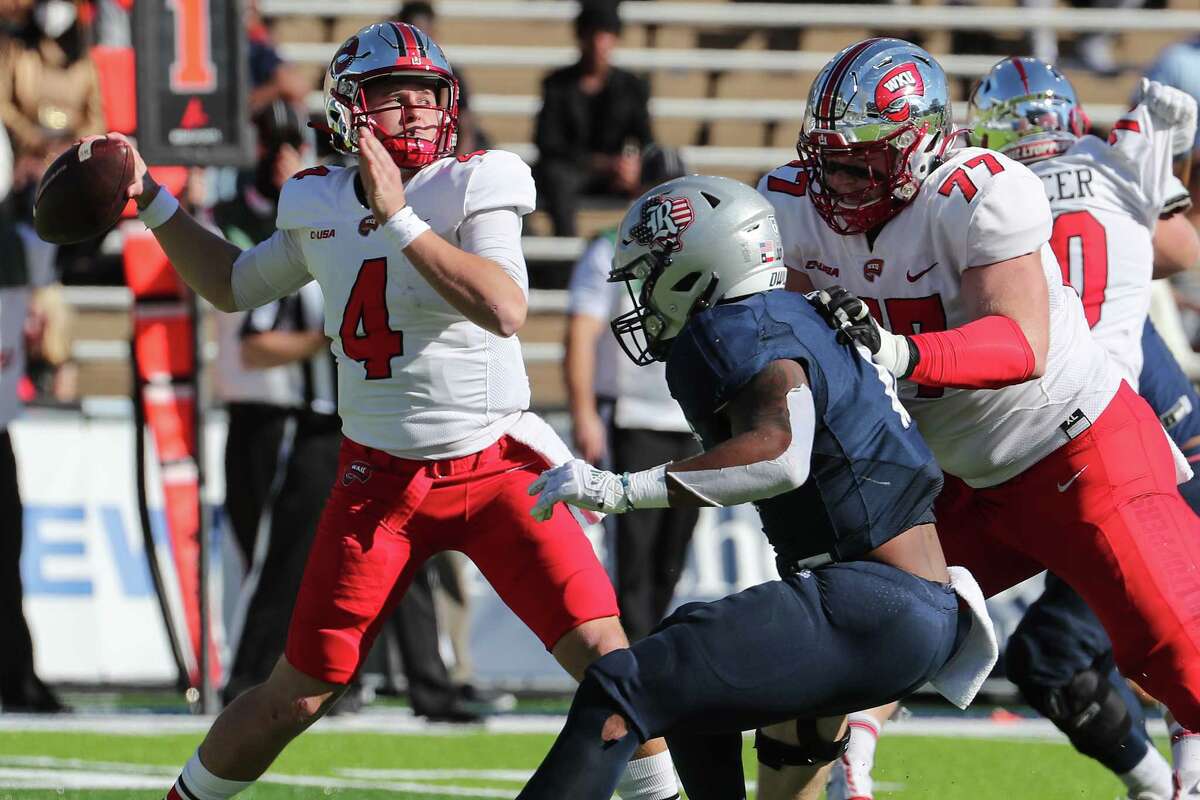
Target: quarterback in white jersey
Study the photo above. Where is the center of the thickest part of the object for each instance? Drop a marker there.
(423, 381)
(418, 254)
(959, 293)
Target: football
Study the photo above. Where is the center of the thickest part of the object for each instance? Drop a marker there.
(82, 194)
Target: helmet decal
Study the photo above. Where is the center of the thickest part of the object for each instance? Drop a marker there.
(346, 55)
(664, 219)
(897, 84)
(732, 249)
(828, 103)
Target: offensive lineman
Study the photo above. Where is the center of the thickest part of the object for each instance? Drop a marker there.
(1117, 225)
(418, 255)
(1060, 465)
(812, 432)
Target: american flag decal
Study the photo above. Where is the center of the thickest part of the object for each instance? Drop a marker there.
(664, 219)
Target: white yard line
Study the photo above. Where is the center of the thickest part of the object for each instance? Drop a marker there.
(403, 722)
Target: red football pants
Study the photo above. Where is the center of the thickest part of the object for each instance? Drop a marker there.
(387, 515)
(1102, 512)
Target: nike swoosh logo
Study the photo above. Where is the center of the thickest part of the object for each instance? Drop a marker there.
(914, 278)
(1062, 487)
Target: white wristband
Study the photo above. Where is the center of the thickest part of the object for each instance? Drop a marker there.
(404, 226)
(161, 208)
(648, 488)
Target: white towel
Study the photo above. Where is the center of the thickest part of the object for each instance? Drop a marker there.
(1183, 470)
(536, 434)
(960, 678)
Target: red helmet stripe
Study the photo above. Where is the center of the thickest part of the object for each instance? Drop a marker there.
(410, 45)
(1021, 71)
(839, 70)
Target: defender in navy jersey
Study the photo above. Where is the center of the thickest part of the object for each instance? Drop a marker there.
(812, 432)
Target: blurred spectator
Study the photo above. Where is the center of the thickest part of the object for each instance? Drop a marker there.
(28, 263)
(1093, 49)
(470, 135)
(52, 375)
(271, 78)
(614, 401)
(594, 122)
(49, 90)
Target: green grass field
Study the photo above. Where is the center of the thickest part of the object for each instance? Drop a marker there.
(49, 763)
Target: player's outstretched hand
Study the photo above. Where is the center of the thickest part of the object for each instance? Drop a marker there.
(1174, 107)
(382, 181)
(849, 316)
(579, 484)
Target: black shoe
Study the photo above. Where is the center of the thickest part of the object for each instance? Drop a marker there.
(456, 713)
(486, 701)
(351, 702)
(38, 700)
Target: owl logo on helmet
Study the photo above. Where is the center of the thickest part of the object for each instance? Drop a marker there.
(664, 219)
(893, 90)
(345, 55)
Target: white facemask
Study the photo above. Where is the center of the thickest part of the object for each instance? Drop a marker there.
(54, 17)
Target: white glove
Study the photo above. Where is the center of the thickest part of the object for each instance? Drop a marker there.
(579, 484)
(1173, 106)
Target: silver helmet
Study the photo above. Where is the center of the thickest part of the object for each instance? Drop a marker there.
(389, 49)
(877, 121)
(1026, 109)
(684, 246)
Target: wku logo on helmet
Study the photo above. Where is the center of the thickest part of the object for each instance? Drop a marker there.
(903, 81)
(664, 219)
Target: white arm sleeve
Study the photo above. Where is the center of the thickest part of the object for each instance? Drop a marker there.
(589, 293)
(272, 269)
(731, 486)
(495, 234)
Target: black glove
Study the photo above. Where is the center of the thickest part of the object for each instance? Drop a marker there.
(849, 316)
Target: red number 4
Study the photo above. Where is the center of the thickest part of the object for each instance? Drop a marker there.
(959, 179)
(366, 310)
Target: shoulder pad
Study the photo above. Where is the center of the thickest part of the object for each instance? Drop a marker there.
(789, 179)
(719, 351)
(309, 197)
(497, 179)
(992, 208)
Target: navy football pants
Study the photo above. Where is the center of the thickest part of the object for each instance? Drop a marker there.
(819, 643)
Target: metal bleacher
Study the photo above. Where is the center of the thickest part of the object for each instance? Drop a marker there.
(723, 90)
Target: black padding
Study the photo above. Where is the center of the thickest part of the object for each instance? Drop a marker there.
(811, 751)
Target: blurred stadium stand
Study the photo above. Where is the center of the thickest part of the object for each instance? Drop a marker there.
(733, 110)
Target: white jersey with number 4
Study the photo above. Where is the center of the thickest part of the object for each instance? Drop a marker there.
(415, 377)
(977, 208)
(1106, 198)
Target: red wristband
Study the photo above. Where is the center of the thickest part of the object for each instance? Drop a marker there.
(988, 353)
